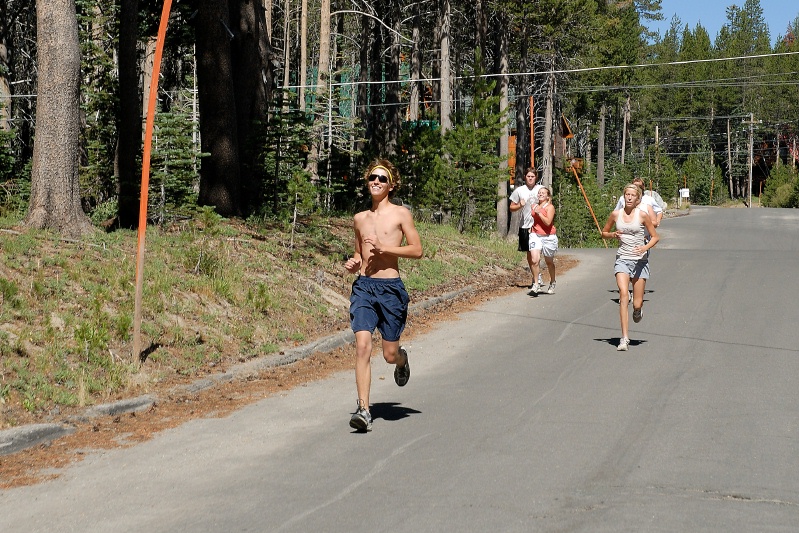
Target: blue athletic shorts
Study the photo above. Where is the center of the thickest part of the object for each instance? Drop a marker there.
(379, 303)
(634, 268)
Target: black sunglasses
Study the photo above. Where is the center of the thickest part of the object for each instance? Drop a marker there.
(379, 177)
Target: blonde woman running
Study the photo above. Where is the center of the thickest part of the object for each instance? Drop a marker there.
(543, 239)
(632, 257)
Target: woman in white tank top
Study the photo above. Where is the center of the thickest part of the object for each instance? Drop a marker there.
(632, 257)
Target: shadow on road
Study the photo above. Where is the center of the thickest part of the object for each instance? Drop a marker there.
(614, 341)
(391, 411)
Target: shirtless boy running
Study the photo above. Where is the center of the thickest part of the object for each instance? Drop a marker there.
(379, 299)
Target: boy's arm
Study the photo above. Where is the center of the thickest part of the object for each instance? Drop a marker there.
(353, 264)
(517, 204)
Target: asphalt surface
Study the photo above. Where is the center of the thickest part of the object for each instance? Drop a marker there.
(519, 416)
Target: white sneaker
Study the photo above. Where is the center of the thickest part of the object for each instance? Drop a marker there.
(551, 289)
(535, 290)
(624, 342)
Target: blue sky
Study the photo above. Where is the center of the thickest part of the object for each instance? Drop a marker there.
(713, 14)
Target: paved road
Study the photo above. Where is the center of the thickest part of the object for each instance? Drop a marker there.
(521, 416)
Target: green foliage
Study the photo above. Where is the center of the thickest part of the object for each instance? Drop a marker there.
(782, 188)
(302, 193)
(7, 157)
(699, 176)
(468, 171)
(174, 162)
(421, 145)
(8, 293)
(573, 218)
(14, 184)
(283, 147)
(99, 32)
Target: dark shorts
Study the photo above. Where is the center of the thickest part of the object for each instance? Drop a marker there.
(379, 303)
(524, 239)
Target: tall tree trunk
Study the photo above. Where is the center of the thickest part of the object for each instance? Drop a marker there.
(267, 7)
(303, 53)
(5, 86)
(393, 119)
(482, 28)
(587, 149)
(129, 117)
(546, 159)
(252, 68)
(363, 91)
(416, 64)
(502, 68)
(286, 45)
(323, 70)
(376, 131)
(55, 188)
(220, 181)
(600, 148)
(446, 79)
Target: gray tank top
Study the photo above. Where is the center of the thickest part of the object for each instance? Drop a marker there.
(633, 234)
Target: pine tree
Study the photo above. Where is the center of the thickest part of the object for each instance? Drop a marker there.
(469, 168)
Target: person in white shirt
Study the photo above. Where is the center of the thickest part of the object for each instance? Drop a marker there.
(648, 202)
(525, 198)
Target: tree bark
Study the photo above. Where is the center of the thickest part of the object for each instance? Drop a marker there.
(502, 68)
(546, 159)
(446, 80)
(600, 148)
(129, 116)
(253, 77)
(323, 70)
(220, 183)
(393, 118)
(362, 94)
(303, 53)
(55, 188)
(5, 86)
(416, 65)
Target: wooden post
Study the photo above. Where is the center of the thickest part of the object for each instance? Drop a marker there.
(729, 159)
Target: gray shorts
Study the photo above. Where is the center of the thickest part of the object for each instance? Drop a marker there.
(547, 244)
(635, 268)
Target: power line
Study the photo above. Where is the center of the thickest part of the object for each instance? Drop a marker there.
(549, 72)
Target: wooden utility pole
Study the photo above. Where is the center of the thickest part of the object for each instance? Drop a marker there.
(751, 155)
(532, 133)
(600, 148)
(657, 151)
(729, 159)
(625, 121)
